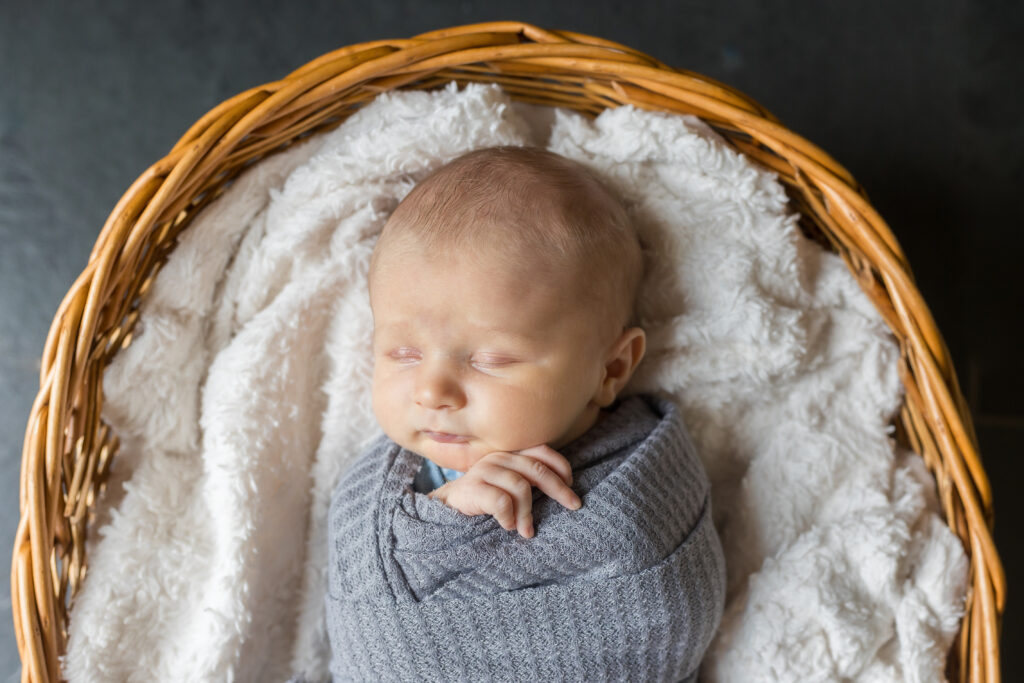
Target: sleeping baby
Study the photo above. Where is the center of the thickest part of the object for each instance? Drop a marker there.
(519, 519)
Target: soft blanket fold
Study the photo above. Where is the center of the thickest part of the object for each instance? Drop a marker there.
(631, 584)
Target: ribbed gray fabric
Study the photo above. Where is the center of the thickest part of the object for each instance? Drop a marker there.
(629, 587)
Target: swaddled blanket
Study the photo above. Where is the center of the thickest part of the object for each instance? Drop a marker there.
(630, 585)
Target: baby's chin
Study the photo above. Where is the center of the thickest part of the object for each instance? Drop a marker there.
(457, 456)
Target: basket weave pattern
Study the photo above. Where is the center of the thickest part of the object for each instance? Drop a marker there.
(68, 449)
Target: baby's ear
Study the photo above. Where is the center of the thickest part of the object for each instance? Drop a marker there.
(622, 359)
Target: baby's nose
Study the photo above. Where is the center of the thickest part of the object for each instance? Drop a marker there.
(437, 389)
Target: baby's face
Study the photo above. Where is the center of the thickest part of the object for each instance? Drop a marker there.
(469, 359)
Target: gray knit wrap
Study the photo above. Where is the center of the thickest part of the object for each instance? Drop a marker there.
(631, 586)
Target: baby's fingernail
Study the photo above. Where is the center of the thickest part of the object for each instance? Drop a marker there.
(576, 503)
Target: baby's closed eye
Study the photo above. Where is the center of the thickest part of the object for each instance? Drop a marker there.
(404, 354)
(491, 361)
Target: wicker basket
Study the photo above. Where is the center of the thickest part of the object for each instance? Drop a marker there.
(68, 449)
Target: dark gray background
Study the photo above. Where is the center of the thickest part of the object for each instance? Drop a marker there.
(918, 99)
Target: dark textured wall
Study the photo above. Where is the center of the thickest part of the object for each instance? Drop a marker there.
(919, 100)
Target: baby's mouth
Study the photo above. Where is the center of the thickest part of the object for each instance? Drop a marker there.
(444, 437)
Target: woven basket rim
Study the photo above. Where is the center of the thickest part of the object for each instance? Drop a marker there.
(68, 448)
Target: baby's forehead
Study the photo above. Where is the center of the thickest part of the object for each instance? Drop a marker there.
(486, 287)
(486, 254)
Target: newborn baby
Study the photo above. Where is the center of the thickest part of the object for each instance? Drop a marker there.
(518, 519)
(501, 325)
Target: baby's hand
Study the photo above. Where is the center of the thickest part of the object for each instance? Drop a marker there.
(501, 484)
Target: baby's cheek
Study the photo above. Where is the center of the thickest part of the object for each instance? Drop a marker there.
(385, 407)
(530, 420)
(377, 399)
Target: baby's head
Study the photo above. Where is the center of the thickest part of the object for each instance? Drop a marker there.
(502, 290)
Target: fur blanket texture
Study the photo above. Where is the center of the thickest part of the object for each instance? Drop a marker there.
(245, 394)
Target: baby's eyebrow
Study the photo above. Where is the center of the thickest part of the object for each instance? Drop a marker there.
(509, 333)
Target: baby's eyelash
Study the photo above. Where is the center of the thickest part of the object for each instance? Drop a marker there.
(492, 363)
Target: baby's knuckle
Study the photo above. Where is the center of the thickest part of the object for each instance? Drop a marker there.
(522, 485)
(503, 503)
(538, 468)
(495, 458)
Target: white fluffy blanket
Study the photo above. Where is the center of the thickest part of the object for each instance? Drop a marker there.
(246, 392)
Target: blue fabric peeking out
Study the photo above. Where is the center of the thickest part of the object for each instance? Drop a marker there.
(432, 476)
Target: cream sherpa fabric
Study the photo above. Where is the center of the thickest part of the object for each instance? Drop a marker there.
(245, 393)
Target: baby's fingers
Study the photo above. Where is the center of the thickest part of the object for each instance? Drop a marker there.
(552, 458)
(553, 485)
(548, 480)
(501, 504)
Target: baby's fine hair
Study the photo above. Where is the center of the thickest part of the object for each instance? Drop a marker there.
(532, 209)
